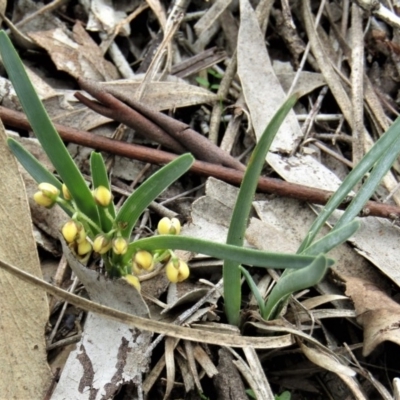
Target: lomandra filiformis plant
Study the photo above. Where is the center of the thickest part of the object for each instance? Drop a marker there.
(96, 225)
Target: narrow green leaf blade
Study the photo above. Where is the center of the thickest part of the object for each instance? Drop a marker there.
(364, 194)
(231, 271)
(149, 190)
(37, 170)
(254, 289)
(333, 239)
(241, 255)
(377, 151)
(297, 280)
(44, 129)
(100, 178)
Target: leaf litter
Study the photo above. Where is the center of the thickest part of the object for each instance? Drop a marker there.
(369, 270)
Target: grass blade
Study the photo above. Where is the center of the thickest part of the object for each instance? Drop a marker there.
(231, 271)
(149, 190)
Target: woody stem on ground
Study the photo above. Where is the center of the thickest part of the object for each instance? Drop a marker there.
(229, 175)
(144, 119)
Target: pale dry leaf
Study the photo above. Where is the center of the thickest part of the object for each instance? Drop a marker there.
(158, 9)
(260, 387)
(377, 241)
(110, 353)
(212, 14)
(204, 360)
(24, 372)
(307, 82)
(64, 109)
(78, 56)
(104, 17)
(261, 88)
(377, 313)
(170, 344)
(304, 170)
(184, 293)
(172, 93)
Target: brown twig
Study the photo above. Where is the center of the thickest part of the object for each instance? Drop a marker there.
(229, 175)
(195, 143)
(115, 109)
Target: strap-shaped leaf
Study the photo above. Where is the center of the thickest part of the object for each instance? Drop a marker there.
(333, 239)
(254, 289)
(298, 280)
(35, 168)
(149, 190)
(384, 144)
(240, 255)
(45, 131)
(100, 178)
(240, 215)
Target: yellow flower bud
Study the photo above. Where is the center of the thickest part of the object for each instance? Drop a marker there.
(43, 200)
(71, 231)
(133, 280)
(47, 195)
(101, 244)
(84, 247)
(177, 271)
(102, 196)
(168, 226)
(49, 190)
(119, 245)
(143, 260)
(66, 193)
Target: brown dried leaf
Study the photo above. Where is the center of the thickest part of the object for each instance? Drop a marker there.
(24, 373)
(378, 314)
(80, 56)
(172, 93)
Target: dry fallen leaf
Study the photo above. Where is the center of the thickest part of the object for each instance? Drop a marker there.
(110, 353)
(378, 314)
(172, 93)
(24, 372)
(261, 88)
(80, 56)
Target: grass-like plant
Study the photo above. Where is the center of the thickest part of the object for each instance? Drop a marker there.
(96, 226)
(378, 161)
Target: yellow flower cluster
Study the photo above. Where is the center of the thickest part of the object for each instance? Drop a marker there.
(77, 238)
(47, 195)
(75, 235)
